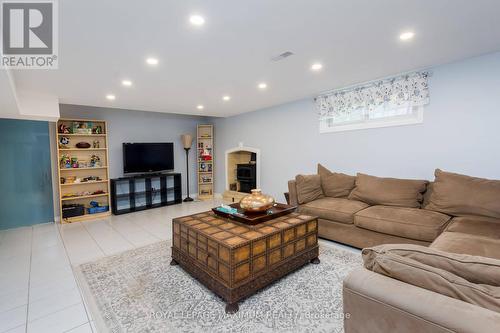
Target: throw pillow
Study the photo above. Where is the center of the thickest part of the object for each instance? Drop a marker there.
(308, 188)
(334, 184)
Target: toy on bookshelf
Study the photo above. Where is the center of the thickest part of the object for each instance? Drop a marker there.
(206, 153)
(63, 129)
(95, 161)
(63, 142)
(82, 127)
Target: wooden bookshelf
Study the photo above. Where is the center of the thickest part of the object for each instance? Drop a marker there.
(83, 163)
(205, 161)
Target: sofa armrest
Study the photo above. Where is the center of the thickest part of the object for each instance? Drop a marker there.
(376, 303)
(292, 193)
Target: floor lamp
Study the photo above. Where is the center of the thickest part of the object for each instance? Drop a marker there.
(187, 141)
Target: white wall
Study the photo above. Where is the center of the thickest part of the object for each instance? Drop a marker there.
(461, 133)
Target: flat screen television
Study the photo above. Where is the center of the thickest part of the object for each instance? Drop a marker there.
(148, 157)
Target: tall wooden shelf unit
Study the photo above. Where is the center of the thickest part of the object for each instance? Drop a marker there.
(73, 190)
(205, 161)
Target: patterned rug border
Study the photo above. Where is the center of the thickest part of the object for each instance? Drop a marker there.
(91, 302)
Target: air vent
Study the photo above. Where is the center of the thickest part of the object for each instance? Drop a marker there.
(282, 56)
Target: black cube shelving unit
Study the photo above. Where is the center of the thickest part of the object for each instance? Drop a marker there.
(135, 193)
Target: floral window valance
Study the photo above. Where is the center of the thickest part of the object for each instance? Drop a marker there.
(392, 93)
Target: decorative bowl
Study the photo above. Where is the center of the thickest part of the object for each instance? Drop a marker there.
(256, 202)
(83, 145)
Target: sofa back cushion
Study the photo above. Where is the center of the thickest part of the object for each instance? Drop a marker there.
(462, 195)
(334, 184)
(308, 188)
(437, 274)
(388, 191)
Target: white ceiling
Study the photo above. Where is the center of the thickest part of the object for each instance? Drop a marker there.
(104, 41)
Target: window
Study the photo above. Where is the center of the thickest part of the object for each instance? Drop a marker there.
(380, 117)
(391, 102)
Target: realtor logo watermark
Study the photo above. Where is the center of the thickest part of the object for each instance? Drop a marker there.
(29, 34)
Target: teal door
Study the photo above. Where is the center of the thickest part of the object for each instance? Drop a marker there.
(25, 173)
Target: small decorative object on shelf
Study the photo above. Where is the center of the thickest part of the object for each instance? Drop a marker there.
(256, 202)
(206, 153)
(95, 144)
(97, 129)
(82, 127)
(95, 161)
(205, 161)
(83, 145)
(63, 129)
(70, 179)
(65, 161)
(205, 179)
(63, 142)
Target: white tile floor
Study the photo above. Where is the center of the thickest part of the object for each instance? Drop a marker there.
(38, 291)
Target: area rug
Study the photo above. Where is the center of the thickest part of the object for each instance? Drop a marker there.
(138, 291)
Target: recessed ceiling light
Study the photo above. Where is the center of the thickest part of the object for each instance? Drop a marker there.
(316, 67)
(126, 83)
(262, 85)
(407, 35)
(200, 107)
(226, 98)
(111, 97)
(152, 61)
(196, 20)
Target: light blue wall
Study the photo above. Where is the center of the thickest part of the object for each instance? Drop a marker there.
(461, 133)
(137, 126)
(25, 173)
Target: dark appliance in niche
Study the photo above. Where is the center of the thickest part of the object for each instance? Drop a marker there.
(247, 176)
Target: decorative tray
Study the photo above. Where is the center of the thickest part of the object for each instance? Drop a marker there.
(255, 218)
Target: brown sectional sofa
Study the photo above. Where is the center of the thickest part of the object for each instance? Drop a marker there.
(432, 256)
(366, 223)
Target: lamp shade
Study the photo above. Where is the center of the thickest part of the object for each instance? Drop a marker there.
(187, 140)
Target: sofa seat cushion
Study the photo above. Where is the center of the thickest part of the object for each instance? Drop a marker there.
(335, 209)
(475, 225)
(405, 222)
(473, 245)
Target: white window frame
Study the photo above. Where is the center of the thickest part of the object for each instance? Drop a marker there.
(416, 117)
